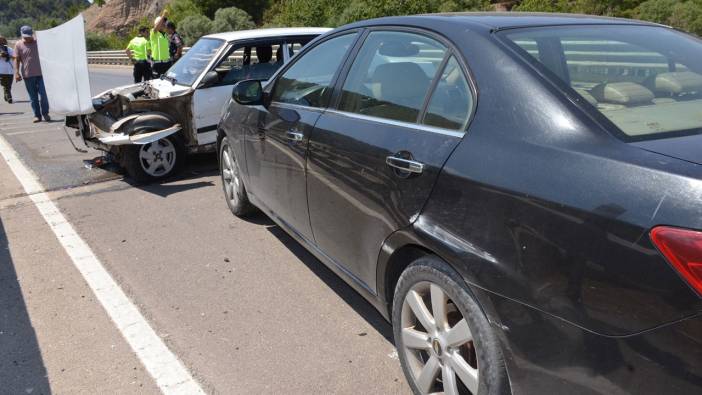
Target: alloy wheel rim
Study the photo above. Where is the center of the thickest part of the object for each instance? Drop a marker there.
(157, 158)
(437, 342)
(230, 175)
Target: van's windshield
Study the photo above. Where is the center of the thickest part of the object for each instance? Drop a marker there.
(647, 80)
(186, 70)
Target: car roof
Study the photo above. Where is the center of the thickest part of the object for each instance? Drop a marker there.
(504, 20)
(262, 33)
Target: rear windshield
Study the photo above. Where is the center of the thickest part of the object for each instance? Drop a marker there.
(647, 80)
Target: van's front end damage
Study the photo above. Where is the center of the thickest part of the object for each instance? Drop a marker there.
(146, 134)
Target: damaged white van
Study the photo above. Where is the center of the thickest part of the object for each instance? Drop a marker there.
(150, 127)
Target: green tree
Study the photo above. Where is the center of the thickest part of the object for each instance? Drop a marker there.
(180, 9)
(255, 8)
(687, 16)
(231, 19)
(303, 12)
(658, 11)
(193, 27)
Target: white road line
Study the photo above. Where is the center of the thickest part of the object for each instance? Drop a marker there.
(168, 371)
(44, 130)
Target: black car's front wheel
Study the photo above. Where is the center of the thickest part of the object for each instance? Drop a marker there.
(234, 190)
(444, 341)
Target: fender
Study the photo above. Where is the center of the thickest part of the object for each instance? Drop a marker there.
(141, 128)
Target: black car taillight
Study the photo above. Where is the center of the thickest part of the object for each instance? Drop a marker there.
(683, 249)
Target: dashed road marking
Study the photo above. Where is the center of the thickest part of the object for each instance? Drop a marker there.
(168, 371)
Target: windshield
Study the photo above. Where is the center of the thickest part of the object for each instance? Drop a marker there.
(186, 70)
(647, 80)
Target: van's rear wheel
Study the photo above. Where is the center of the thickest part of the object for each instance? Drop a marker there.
(443, 339)
(154, 161)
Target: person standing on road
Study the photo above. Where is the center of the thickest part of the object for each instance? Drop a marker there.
(175, 48)
(7, 56)
(27, 67)
(138, 53)
(159, 46)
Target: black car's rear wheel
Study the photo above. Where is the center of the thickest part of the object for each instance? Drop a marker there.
(443, 339)
(233, 185)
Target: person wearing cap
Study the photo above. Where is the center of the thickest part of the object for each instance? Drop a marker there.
(7, 56)
(158, 40)
(138, 53)
(27, 67)
(175, 42)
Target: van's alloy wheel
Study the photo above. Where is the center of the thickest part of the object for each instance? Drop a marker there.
(438, 346)
(443, 338)
(230, 177)
(232, 183)
(158, 158)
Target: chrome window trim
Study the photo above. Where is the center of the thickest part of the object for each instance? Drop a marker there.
(410, 125)
(297, 106)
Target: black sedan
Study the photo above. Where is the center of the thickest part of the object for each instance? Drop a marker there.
(520, 195)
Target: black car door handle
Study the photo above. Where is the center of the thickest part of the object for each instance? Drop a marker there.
(405, 164)
(294, 135)
(261, 133)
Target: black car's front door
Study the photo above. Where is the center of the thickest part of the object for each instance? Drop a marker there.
(373, 161)
(277, 148)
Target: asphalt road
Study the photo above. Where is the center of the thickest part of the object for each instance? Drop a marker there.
(241, 304)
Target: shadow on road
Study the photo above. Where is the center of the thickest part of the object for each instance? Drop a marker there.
(348, 294)
(198, 166)
(22, 369)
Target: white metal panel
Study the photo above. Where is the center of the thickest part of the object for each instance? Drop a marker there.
(64, 65)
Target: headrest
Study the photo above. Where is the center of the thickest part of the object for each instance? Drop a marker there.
(392, 78)
(627, 93)
(676, 82)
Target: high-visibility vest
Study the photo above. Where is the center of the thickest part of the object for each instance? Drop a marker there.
(159, 46)
(139, 47)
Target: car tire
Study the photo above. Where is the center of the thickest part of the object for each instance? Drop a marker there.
(232, 183)
(461, 349)
(154, 161)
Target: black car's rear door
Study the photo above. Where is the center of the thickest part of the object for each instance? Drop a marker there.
(373, 160)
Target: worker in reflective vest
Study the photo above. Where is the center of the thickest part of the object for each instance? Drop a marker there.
(158, 40)
(138, 53)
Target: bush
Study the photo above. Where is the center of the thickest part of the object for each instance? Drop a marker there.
(193, 27)
(104, 42)
(658, 11)
(231, 19)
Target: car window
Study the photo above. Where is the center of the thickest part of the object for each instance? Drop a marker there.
(188, 68)
(452, 100)
(647, 80)
(250, 62)
(308, 81)
(391, 75)
(294, 46)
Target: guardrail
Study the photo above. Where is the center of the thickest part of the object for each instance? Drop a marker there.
(115, 58)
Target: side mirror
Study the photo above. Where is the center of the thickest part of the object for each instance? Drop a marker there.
(209, 79)
(248, 93)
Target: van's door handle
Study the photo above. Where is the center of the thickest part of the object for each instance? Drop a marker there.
(294, 135)
(261, 133)
(407, 165)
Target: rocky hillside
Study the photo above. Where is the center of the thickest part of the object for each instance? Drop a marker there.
(119, 16)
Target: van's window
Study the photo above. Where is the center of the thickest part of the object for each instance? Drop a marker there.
(308, 81)
(391, 75)
(250, 62)
(647, 80)
(452, 101)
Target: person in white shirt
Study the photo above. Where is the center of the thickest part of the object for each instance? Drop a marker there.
(7, 56)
